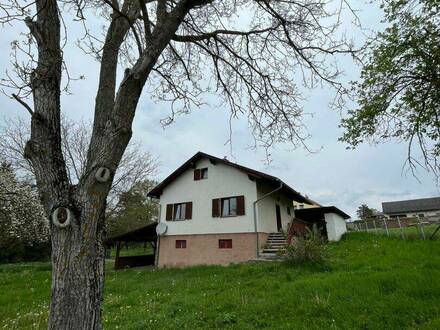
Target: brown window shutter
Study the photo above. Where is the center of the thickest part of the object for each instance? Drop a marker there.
(240, 205)
(215, 207)
(188, 210)
(169, 215)
(197, 174)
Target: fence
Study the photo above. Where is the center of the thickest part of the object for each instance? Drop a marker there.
(425, 227)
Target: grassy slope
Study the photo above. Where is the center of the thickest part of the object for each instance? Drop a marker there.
(371, 282)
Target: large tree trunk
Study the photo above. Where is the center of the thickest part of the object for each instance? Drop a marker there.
(77, 248)
(78, 272)
(77, 245)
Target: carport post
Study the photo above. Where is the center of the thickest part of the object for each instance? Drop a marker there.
(118, 248)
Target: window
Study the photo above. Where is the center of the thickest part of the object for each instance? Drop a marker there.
(288, 210)
(181, 244)
(179, 211)
(200, 174)
(229, 207)
(225, 243)
(394, 216)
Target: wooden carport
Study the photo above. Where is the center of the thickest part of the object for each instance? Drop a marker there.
(145, 234)
(308, 217)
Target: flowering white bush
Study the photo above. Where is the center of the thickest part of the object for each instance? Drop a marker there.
(23, 224)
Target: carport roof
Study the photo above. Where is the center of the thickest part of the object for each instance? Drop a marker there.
(317, 213)
(142, 234)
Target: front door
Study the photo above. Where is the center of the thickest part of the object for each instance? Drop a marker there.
(278, 211)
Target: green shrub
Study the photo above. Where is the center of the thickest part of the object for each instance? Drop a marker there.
(310, 248)
(18, 251)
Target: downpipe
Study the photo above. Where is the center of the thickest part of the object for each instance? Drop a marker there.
(255, 216)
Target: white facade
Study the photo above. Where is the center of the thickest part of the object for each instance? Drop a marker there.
(223, 181)
(266, 209)
(336, 226)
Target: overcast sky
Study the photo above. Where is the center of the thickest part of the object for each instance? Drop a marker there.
(333, 176)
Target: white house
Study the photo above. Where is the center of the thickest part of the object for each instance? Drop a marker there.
(213, 211)
(423, 207)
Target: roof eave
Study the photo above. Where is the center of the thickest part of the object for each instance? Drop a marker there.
(157, 191)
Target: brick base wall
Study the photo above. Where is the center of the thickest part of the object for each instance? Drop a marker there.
(204, 249)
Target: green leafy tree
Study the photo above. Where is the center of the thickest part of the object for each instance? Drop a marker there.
(134, 209)
(399, 90)
(364, 212)
(24, 229)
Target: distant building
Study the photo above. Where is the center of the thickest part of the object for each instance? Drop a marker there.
(377, 215)
(424, 207)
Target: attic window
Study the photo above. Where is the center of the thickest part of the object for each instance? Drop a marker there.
(200, 174)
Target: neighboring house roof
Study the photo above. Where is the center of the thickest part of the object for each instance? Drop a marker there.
(190, 163)
(412, 205)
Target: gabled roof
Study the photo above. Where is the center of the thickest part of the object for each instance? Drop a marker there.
(412, 205)
(190, 163)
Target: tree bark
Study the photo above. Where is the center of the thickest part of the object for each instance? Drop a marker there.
(77, 247)
(78, 272)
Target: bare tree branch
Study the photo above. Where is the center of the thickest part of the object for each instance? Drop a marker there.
(23, 103)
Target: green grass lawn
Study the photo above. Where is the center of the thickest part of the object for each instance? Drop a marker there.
(370, 282)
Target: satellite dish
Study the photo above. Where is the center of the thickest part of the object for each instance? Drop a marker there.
(161, 228)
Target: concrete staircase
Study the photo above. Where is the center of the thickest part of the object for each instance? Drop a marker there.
(275, 243)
